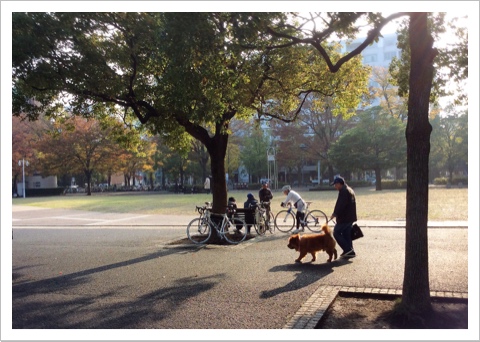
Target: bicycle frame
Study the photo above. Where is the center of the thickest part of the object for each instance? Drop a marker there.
(285, 220)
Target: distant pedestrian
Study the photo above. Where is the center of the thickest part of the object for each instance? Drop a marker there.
(206, 185)
(345, 213)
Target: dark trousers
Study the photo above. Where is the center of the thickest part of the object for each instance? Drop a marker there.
(300, 216)
(342, 233)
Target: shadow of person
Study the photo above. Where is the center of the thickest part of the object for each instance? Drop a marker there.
(306, 273)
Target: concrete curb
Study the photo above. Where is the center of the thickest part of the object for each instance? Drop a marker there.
(312, 311)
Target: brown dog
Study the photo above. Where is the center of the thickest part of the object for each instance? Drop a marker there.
(313, 243)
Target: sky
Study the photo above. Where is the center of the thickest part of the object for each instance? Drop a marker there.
(453, 8)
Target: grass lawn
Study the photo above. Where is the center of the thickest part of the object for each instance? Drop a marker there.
(444, 204)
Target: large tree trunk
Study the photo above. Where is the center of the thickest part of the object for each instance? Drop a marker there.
(217, 149)
(416, 289)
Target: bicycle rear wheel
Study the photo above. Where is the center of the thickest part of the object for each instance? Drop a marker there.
(237, 231)
(284, 221)
(271, 223)
(315, 220)
(261, 225)
(199, 231)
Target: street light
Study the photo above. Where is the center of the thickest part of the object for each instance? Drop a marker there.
(272, 172)
(23, 162)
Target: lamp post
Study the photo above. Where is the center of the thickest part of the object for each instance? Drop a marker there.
(272, 172)
(23, 162)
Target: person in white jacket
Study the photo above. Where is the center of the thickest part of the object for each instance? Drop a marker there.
(206, 185)
(294, 198)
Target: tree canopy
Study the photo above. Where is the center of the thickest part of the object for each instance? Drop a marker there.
(180, 74)
(377, 143)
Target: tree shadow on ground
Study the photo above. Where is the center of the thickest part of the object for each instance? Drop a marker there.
(55, 303)
(305, 274)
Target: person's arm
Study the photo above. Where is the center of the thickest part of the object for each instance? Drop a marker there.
(288, 199)
(341, 205)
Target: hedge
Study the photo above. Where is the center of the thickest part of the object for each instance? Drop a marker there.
(44, 192)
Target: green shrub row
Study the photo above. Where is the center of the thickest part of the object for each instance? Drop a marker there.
(44, 192)
(455, 181)
(394, 184)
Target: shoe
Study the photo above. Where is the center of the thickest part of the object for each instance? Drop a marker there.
(297, 231)
(347, 255)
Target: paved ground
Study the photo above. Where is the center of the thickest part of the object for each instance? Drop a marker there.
(84, 270)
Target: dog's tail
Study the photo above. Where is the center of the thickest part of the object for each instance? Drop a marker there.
(325, 229)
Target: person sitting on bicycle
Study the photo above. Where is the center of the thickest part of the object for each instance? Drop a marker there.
(298, 202)
(265, 195)
(251, 203)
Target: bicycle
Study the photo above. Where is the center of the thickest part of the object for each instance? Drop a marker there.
(285, 220)
(201, 221)
(261, 222)
(200, 229)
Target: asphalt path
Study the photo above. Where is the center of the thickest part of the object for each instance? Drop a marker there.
(84, 270)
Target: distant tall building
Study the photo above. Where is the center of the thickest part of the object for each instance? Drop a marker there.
(379, 53)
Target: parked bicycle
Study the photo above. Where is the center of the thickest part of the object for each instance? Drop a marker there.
(262, 224)
(314, 219)
(200, 229)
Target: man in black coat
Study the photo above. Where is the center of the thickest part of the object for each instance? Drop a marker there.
(265, 195)
(345, 213)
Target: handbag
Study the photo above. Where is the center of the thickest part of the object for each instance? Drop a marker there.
(356, 232)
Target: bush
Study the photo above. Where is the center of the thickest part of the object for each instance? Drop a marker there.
(394, 184)
(44, 192)
(460, 181)
(323, 187)
(359, 184)
(440, 181)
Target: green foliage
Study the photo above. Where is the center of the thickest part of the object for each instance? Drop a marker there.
(449, 141)
(376, 142)
(394, 184)
(254, 153)
(455, 181)
(451, 62)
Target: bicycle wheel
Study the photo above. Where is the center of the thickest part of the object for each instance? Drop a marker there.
(315, 220)
(199, 231)
(271, 223)
(233, 233)
(261, 225)
(284, 221)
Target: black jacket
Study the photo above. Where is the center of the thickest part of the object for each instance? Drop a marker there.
(251, 203)
(265, 195)
(346, 208)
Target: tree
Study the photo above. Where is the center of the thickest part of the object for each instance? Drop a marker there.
(376, 142)
(450, 140)
(324, 128)
(387, 92)
(291, 144)
(416, 293)
(253, 154)
(138, 157)
(179, 74)
(25, 137)
(78, 145)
